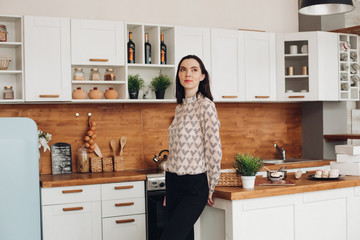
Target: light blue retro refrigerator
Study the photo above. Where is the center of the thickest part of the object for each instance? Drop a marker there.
(19, 180)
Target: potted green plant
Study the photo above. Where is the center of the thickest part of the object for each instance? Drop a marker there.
(135, 84)
(159, 84)
(247, 166)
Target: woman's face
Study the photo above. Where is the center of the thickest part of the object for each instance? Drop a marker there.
(190, 74)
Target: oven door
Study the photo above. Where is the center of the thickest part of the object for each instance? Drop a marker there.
(156, 214)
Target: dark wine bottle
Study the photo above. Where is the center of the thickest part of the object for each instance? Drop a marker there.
(147, 49)
(131, 49)
(162, 50)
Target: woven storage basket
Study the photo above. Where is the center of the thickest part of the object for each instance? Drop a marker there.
(4, 63)
(229, 179)
(96, 164)
(119, 163)
(108, 165)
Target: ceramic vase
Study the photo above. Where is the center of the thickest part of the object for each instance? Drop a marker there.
(79, 93)
(95, 94)
(111, 94)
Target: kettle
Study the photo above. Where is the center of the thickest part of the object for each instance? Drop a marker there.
(161, 160)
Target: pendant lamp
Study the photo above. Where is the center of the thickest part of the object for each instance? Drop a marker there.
(325, 7)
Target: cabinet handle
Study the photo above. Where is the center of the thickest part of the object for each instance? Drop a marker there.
(262, 96)
(125, 221)
(72, 209)
(296, 96)
(229, 96)
(98, 60)
(123, 187)
(72, 191)
(124, 204)
(49, 96)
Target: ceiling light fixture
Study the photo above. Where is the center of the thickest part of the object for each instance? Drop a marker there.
(325, 7)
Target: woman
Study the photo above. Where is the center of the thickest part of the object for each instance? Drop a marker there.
(193, 167)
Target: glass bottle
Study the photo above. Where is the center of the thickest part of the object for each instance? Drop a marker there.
(95, 74)
(3, 33)
(162, 50)
(8, 92)
(109, 75)
(131, 49)
(82, 160)
(79, 74)
(147, 49)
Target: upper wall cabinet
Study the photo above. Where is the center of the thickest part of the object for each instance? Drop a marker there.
(307, 66)
(97, 42)
(47, 59)
(194, 41)
(11, 60)
(260, 66)
(226, 65)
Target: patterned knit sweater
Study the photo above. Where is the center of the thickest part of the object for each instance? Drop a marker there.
(194, 142)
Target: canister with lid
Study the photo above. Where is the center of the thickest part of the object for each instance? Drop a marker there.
(3, 33)
(8, 92)
(109, 75)
(95, 74)
(79, 74)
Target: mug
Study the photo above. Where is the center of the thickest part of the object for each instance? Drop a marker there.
(293, 49)
(304, 49)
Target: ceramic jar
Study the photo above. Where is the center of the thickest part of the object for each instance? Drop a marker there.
(111, 94)
(95, 94)
(79, 93)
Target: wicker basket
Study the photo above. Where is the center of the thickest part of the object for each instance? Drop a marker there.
(4, 63)
(108, 165)
(119, 163)
(96, 164)
(229, 179)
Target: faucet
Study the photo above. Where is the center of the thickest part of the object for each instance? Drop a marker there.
(281, 151)
(158, 158)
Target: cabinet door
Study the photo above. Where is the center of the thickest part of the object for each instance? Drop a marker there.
(126, 227)
(97, 42)
(72, 221)
(194, 41)
(227, 47)
(260, 67)
(47, 59)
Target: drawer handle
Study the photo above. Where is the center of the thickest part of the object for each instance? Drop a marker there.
(124, 204)
(123, 187)
(98, 60)
(49, 96)
(72, 191)
(296, 96)
(262, 96)
(229, 96)
(125, 221)
(73, 209)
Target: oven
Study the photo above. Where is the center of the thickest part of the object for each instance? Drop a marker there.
(156, 214)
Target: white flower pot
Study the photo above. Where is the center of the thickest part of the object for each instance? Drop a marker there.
(248, 182)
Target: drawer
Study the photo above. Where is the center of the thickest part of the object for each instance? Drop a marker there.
(126, 227)
(128, 206)
(112, 191)
(62, 195)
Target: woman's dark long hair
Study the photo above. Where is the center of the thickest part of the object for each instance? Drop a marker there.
(204, 86)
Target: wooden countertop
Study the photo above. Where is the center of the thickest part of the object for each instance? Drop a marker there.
(302, 185)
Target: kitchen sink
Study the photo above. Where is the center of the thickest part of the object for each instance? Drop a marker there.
(290, 160)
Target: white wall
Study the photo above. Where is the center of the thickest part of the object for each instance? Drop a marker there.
(268, 15)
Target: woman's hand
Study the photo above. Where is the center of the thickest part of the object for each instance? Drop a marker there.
(210, 201)
(164, 202)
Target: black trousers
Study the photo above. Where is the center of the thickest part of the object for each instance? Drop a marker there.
(186, 198)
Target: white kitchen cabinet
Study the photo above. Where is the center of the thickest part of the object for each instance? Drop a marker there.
(310, 71)
(227, 65)
(47, 59)
(193, 41)
(71, 213)
(125, 227)
(96, 42)
(260, 66)
(12, 50)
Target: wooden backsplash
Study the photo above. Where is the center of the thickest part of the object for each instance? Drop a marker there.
(245, 127)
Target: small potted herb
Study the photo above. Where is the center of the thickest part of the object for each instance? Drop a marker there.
(247, 166)
(135, 84)
(159, 84)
